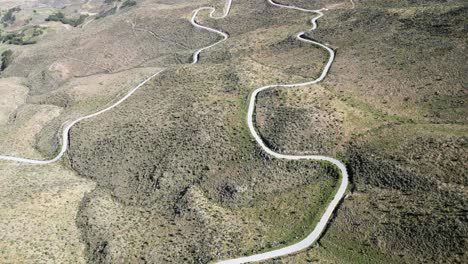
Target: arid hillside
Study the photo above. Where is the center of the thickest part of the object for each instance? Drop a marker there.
(173, 175)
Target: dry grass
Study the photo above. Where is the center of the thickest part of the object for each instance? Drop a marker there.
(38, 206)
(179, 177)
(13, 95)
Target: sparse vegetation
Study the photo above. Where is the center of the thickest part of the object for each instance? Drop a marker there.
(129, 3)
(407, 155)
(9, 16)
(113, 10)
(105, 13)
(59, 16)
(7, 58)
(25, 36)
(179, 178)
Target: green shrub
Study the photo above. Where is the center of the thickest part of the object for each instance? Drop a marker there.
(106, 13)
(24, 36)
(7, 58)
(129, 3)
(59, 16)
(9, 16)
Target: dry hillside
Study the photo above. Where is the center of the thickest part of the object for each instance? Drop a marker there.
(173, 175)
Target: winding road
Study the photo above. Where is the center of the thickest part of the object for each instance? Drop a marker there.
(321, 225)
(69, 125)
(227, 9)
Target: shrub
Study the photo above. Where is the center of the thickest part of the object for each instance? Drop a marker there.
(106, 13)
(129, 3)
(7, 58)
(25, 36)
(9, 16)
(59, 16)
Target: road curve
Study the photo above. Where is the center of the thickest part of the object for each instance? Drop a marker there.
(321, 225)
(70, 124)
(315, 234)
(227, 9)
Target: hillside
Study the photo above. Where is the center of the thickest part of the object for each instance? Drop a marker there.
(173, 174)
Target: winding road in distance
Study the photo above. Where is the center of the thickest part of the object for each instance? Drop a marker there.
(320, 227)
(68, 125)
(227, 9)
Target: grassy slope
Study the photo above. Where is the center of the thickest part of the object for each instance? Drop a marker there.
(371, 224)
(179, 178)
(404, 139)
(180, 149)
